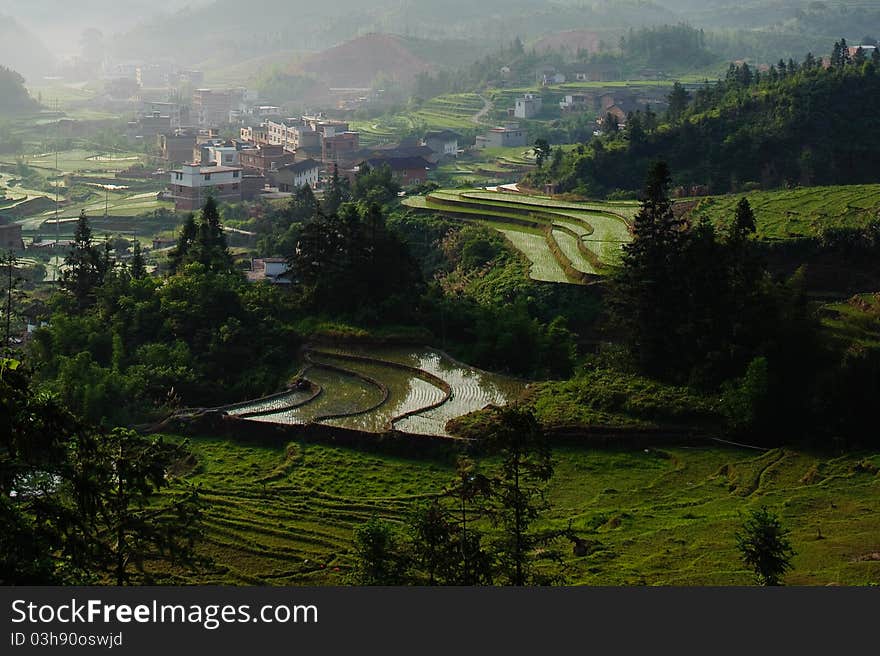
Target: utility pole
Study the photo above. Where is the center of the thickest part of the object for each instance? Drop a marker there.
(10, 264)
(57, 173)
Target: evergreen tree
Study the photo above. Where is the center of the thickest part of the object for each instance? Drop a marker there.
(335, 194)
(134, 523)
(203, 241)
(85, 265)
(678, 100)
(138, 267)
(380, 556)
(526, 466)
(645, 297)
(180, 253)
(765, 547)
(542, 151)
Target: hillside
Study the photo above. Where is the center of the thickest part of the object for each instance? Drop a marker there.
(358, 62)
(14, 97)
(570, 40)
(803, 126)
(22, 51)
(300, 25)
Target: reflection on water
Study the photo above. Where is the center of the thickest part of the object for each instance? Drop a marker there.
(408, 391)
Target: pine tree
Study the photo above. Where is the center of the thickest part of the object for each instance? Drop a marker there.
(526, 466)
(646, 292)
(180, 253)
(138, 268)
(765, 546)
(85, 265)
(334, 195)
(202, 241)
(678, 100)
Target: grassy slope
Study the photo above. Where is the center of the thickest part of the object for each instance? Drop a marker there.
(662, 517)
(800, 212)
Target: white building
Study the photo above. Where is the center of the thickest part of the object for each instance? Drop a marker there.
(296, 175)
(191, 184)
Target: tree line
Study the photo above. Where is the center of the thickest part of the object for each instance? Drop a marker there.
(798, 123)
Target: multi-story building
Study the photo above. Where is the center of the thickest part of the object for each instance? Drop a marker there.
(191, 184)
(406, 170)
(528, 106)
(507, 136)
(177, 145)
(293, 176)
(265, 158)
(217, 154)
(212, 107)
(444, 143)
(340, 147)
(255, 134)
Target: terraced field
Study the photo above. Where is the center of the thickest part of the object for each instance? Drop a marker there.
(414, 391)
(454, 111)
(285, 514)
(565, 241)
(803, 212)
(545, 267)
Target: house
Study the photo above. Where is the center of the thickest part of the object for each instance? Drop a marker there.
(154, 75)
(595, 73)
(576, 102)
(547, 75)
(293, 176)
(211, 107)
(10, 236)
(218, 154)
(406, 170)
(528, 106)
(191, 77)
(507, 136)
(866, 50)
(265, 158)
(269, 269)
(177, 145)
(191, 184)
(255, 135)
(444, 143)
(340, 147)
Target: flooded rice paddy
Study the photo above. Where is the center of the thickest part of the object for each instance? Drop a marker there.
(377, 389)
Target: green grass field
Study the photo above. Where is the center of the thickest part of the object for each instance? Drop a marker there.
(285, 514)
(802, 212)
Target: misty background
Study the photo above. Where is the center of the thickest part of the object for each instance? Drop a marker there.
(50, 37)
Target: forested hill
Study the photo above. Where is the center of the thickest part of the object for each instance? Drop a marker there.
(794, 124)
(14, 98)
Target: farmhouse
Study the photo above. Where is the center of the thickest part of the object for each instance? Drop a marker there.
(528, 106)
(406, 170)
(177, 145)
(340, 147)
(292, 176)
(211, 107)
(269, 269)
(191, 184)
(503, 137)
(444, 143)
(256, 134)
(264, 158)
(576, 102)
